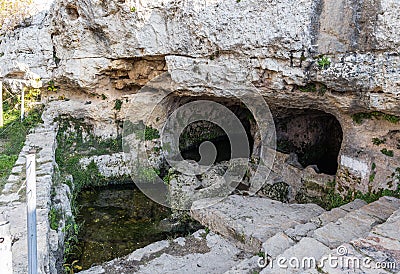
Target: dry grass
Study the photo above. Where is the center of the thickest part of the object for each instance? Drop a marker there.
(12, 12)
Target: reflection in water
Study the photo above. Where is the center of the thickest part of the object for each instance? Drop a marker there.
(117, 220)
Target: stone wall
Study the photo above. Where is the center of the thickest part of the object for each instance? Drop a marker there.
(13, 200)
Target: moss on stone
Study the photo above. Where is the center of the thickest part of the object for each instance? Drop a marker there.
(358, 118)
(278, 191)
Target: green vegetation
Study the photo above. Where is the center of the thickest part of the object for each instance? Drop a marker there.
(118, 105)
(55, 217)
(310, 87)
(323, 62)
(314, 87)
(75, 139)
(278, 191)
(146, 174)
(71, 248)
(13, 133)
(51, 86)
(332, 199)
(387, 152)
(171, 174)
(142, 132)
(358, 118)
(133, 9)
(377, 141)
(372, 176)
(148, 134)
(336, 200)
(151, 133)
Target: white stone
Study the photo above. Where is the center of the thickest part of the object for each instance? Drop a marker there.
(180, 241)
(138, 254)
(355, 165)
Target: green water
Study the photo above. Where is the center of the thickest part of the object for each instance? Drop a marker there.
(117, 220)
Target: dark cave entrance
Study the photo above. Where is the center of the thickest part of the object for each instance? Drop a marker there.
(195, 134)
(314, 136)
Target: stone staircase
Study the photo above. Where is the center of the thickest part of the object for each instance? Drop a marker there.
(250, 221)
(249, 224)
(358, 228)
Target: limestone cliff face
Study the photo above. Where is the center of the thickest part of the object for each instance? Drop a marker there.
(115, 47)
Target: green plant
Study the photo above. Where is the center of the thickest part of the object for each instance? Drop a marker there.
(372, 177)
(103, 96)
(261, 254)
(147, 134)
(54, 218)
(118, 105)
(71, 241)
(323, 62)
(133, 9)
(358, 118)
(51, 86)
(377, 141)
(310, 87)
(151, 133)
(391, 118)
(206, 232)
(70, 268)
(171, 174)
(146, 174)
(314, 87)
(387, 152)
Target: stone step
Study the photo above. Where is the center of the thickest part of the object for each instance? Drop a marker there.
(250, 221)
(246, 266)
(306, 248)
(351, 262)
(282, 241)
(379, 252)
(381, 247)
(383, 243)
(202, 253)
(356, 223)
(336, 213)
(353, 220)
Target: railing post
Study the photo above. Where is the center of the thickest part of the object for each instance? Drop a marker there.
(5, 248)
(31, 213)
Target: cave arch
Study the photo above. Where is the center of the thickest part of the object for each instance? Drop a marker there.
(313, 135)
(198, 132)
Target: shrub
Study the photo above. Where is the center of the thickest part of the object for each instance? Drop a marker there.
(54, 218)
(323, 62)
(118, 104)
(387, 152)
(358, 118)
(377, 141)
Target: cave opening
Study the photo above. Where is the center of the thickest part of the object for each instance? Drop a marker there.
(313, 135)
(196, 133)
